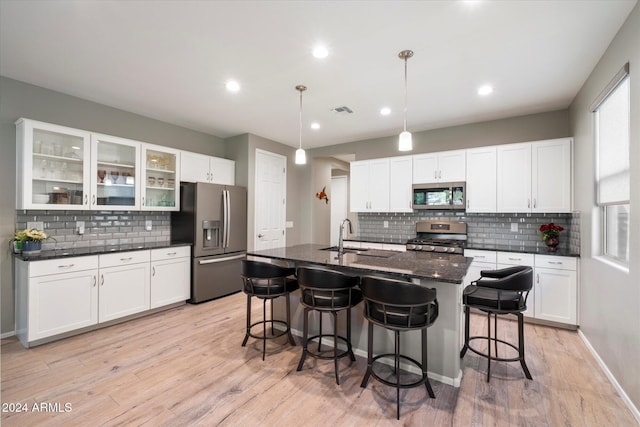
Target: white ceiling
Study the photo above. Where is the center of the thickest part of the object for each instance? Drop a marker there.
(169, 60)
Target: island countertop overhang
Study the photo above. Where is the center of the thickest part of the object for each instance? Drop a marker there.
(450, 268)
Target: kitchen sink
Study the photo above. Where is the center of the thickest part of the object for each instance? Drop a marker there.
(363, 252)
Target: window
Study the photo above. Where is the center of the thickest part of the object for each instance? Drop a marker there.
(612, 123)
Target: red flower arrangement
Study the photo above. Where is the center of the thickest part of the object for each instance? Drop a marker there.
(550, 231)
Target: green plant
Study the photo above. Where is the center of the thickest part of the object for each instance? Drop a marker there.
(30, 235)
(550, 231)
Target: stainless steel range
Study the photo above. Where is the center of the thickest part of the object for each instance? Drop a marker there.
(439, 236)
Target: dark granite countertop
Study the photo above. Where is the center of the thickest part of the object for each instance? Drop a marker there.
(422, 265)
(94, 250)
(523, 249)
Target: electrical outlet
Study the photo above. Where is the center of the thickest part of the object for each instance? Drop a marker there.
(36, 225)
(80, 227)
(148, 225)
(514, 227)
(386, 224)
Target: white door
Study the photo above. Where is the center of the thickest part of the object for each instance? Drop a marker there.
(451, 166)
(359, 186)
(514, 178)
(555, 296)
(481, 179)
(338, 205)
(400, 179)
(194, 167)
(425, 168)
(551, 176)
(123, 291)
(379, 185)
(270, 200)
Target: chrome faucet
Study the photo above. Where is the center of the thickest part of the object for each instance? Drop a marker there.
(340, 239)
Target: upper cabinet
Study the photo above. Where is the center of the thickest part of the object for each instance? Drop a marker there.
(197, 167)
(445, 166)
(481, 179)
(534, 177)
(369, 185)
(160, 183)
(400, 179)
(52, 166)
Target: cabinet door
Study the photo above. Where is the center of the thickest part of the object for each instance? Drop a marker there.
(551, 176)
(400, 179)
(170, 281)
(481, 179)
(451, 166)
(514, 177)
(359, 186)
(115, 173)
(425, 168)
(62, 302)
(555, 295)
(379, 185)
(52, 166)
(123, 291)
(194, 167)
(223, 171)
(160, 183)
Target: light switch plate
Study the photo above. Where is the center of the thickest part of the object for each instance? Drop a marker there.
(289, 224)
(514, 227)
(80, 227)
(36, 225)
(148, 225)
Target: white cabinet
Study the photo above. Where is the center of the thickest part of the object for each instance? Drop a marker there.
(160, 183)
(53, 165)
(482, 260)
(444, 166)
(197, 167)
(481, 179)
(556, 289)
(55, 296)
(534, 177)
(170, 275)
(510, 259)
(124, 284)
(400, 180)
(369, 185)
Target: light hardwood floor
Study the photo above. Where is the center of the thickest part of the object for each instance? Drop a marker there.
(186, 367)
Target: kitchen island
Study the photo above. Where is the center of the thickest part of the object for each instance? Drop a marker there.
(444, 272)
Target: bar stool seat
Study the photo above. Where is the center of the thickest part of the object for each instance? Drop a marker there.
(267, 282)
(498, 292)
(327, 291)
(399, 306)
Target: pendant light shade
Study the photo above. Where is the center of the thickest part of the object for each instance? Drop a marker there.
(301, 156)
(405, 142)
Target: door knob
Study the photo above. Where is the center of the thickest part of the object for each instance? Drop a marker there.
(260, 236)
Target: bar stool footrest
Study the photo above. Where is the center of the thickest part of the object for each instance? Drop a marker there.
(498, 359)
(317, 355)
(424, 379)
(272, 336)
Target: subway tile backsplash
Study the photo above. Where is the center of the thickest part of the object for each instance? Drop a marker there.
(101, 227)
(490, 229)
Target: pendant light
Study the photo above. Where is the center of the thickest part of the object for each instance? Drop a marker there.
(404, 141)
(301, 157)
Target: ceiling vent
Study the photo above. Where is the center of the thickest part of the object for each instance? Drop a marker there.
(342, 110)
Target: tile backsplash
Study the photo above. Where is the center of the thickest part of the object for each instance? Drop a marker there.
(490, 229)
(101, 227)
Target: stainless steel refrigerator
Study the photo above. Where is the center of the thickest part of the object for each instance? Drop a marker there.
(213, 218)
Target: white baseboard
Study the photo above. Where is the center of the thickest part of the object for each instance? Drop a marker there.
(611, 378)
(7, 334)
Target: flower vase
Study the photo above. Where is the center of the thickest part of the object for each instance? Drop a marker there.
(31, 247)
(552, 244)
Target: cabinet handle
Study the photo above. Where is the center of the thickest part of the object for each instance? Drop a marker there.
(143, 201)
(515, 259)
(534, 202)
(555, 262)
(439, 174)
(66, 266)
(153, 271)
(435, 174)
(93, 200)
(467, 203)
(86, 198)
(126, 259)
(480, 256)
(538, 278)
(171, 253)
(94, 281)
(102, 280)
(528, 203)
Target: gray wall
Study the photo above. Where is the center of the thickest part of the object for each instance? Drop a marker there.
(609, 315)
(19, 99)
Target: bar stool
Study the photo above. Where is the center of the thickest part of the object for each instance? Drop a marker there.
(327, 291)
(502, 291)
(399, 306)
(267, 282)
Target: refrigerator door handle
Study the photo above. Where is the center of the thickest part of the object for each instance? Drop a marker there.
(230, 258)
(224, 218)
(228, 218)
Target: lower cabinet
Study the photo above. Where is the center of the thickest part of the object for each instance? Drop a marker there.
(59, 296)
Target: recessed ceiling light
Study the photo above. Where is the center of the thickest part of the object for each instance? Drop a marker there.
(315, 125)
(232, 86)
(485, 90)
(385, 111)
(320, 52)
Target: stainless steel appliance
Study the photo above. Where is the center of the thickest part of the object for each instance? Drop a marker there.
(442, 196)
(439, 236)
(213, 218)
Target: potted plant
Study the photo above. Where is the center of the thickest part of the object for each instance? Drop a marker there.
(29, 241)
(550, 235)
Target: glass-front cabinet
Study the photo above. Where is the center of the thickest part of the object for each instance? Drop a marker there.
(52, 166)
(115, 180)
(160, 181)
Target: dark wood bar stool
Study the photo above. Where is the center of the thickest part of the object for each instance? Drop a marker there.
(399, 306)
(502, 291)
(327, 291)
(267, 282)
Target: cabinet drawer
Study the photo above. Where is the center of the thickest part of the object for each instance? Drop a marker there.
(514, 258)
(481, 256)
(557, 262)
(170, 253)
(62, 265)
(124, 258)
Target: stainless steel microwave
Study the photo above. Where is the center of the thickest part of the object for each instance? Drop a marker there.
(442, 196)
